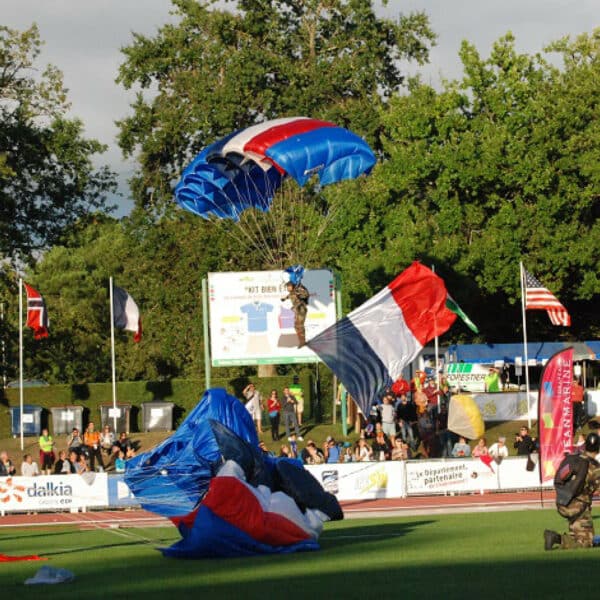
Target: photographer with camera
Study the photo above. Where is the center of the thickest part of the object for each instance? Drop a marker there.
(524, 443)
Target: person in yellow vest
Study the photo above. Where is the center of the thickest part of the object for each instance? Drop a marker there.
(492, 380)
(47, 457)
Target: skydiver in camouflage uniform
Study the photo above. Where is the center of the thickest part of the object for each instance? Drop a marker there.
(298, 295)
(579, 511)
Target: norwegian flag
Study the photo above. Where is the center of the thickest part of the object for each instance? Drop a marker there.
(37, 316)
(537, 297)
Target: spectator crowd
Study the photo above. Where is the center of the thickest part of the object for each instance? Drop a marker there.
(91, 451)
(408, 422)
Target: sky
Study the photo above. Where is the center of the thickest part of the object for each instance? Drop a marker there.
(83, 39)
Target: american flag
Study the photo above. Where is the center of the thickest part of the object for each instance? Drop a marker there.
(537, 297)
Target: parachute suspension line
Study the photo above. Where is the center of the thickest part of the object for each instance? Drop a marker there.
(327, 219)
(255, 235)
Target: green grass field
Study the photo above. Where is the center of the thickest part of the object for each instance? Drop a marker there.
(488, 555)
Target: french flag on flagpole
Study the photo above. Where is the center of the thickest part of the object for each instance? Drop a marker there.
(126, 313)
(368, 349)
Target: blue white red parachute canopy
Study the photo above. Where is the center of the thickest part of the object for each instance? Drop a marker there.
(245, 169)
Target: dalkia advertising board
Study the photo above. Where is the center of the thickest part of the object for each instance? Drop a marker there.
(252, 324)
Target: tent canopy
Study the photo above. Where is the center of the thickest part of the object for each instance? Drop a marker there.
(538, 351)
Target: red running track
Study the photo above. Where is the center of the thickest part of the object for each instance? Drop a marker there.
(384, 507)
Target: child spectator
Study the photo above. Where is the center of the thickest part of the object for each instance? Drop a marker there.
(480, 449)
(120, 462)
(461, 449)
(348, 454)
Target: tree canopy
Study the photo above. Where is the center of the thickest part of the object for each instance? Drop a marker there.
(47, 179)
(497, 167)
(217, 70)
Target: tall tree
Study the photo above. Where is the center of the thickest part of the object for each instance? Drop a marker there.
(499, 167)
(217, 70)
(47, 179)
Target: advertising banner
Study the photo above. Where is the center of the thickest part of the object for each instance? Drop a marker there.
(252, 324)
(361, 481)
(507, 406)
(469, 377)
(459, 475)
(53, 492)
(555, 419)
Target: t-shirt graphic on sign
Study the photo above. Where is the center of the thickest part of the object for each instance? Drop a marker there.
(257, 313)
(286, 318)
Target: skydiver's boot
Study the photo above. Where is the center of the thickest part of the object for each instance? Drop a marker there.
(551, 538)
(301, 333)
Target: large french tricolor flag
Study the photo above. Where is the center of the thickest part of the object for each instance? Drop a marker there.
(368, 349)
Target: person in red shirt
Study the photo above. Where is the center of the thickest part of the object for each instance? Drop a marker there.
(274, 408)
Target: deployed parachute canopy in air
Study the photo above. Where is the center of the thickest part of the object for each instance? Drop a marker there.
(245, 169)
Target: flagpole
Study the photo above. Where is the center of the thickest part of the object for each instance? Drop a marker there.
(21, 361)
(112, 354)
(437, 364)
(521, 271)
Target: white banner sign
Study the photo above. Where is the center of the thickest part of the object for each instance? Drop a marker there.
(53, 492)
(250, 324)
(361, 481)
(514, 474)
(459, 475)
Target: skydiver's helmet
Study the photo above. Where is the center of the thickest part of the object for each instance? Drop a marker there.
(592, 443)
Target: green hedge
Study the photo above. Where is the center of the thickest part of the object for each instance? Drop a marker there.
(184, 393)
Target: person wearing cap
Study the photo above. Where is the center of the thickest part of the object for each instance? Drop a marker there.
(499, 449)
(492, 380)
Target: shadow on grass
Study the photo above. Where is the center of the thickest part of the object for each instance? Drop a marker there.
(392, 559)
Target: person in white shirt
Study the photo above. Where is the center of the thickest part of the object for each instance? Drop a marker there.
(499, 449)
(29, 468)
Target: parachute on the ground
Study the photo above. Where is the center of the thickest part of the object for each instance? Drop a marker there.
(226, 496)
(245, 169)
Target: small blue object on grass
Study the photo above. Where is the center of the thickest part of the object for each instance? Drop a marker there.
(48, 574)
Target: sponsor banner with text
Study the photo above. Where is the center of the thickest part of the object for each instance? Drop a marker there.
(50, 492)
(361, 481)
